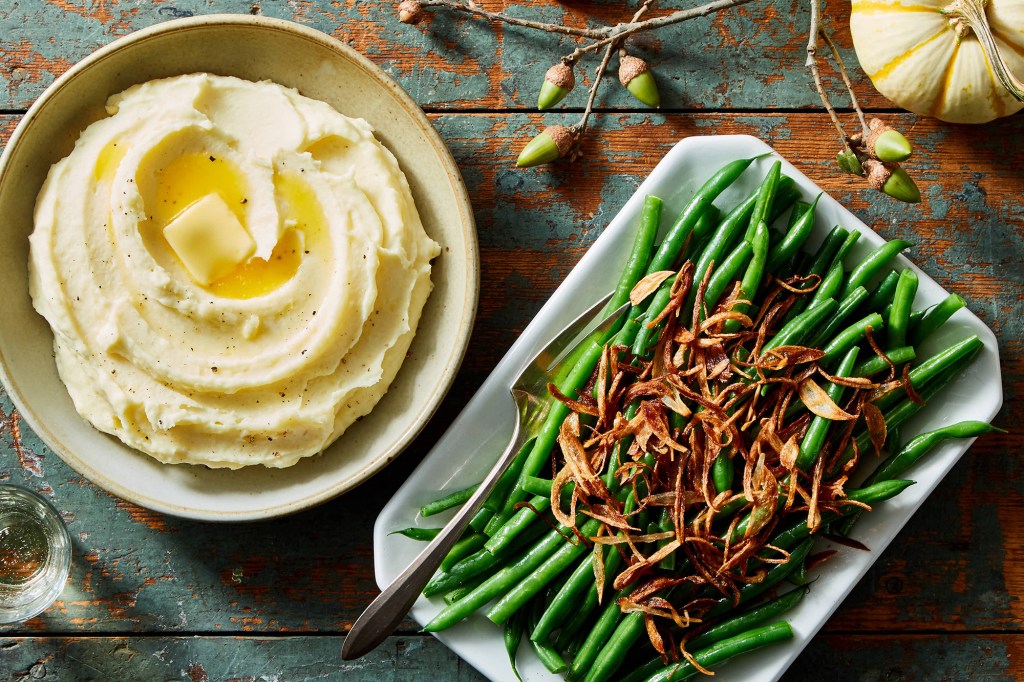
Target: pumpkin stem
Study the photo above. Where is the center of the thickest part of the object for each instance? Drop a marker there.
(967, 15)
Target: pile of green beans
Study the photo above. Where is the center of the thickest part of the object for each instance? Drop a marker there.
(536, 579)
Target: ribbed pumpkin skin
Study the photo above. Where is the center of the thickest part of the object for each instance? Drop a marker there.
(911, 53)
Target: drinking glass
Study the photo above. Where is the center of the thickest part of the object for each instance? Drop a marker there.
(35, 554)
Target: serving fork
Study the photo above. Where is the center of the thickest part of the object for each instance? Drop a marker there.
(528, 391)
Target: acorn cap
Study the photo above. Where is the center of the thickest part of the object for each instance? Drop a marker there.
(551, 143)
(558, 82)
(410, 12)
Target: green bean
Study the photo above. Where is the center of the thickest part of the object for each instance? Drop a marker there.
(462, 590)
(567, 639)
(636, 264)
(830, 285)
(724, 650)
(899, 314)
(724, 236)
(496, 522)
(568, 597)
(499, 583)
(480, 520)
(752, 277)
(882, 294)
(802, 326)
(622, 445)
(481, 562)
(418, 534)
(506, 481)
(931, 367)
(774, 576)
(626, 634)
(826, 253)
(517, 523)
(935, 318)
(921, 445)
(512, 635)
(547, 654)
(793, 241)
(850, 303)
(705, 227)
(746, 620)
(893, 440)
(557, 413)
(665, 526)
(872, 263)
(722, 240)
(814, 437)
(641, 672)
(541, 487)
(765, 196)
(665, 256)
(530, 582)
(455, 499)
(726, 274)
(907, 408)
(595, 642)
(876, 364)
(799, 208)
(851, 241)
(871, 494)
(723, 472)
(849, 337)
(915, 450)
(465, 546)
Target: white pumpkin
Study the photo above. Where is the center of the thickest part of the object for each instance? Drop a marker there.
(957, 60)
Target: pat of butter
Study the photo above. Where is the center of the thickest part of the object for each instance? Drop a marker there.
(208, 239)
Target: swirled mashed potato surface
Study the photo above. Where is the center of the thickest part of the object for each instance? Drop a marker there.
(309, 315)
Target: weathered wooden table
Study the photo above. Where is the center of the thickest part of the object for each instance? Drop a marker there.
(153, 597)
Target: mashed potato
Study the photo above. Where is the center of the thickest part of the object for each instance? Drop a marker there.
(233, 272)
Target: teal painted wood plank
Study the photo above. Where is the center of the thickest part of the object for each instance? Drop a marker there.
(226, 659)
(749, 58)
(847, 658)
(904, 658)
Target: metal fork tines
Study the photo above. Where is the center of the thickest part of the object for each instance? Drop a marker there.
(530, 394)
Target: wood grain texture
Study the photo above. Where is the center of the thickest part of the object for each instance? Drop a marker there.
(271, 600)
(298, 658)
(737, 59)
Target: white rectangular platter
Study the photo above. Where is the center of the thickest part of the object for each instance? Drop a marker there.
(471, 444)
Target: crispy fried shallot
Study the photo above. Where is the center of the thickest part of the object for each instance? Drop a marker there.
(701, 393)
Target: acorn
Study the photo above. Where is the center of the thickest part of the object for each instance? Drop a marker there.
(558, 82)
(551, 143)
(849, 162)
(635, 74)
(885, 143)
(410, 12)
(892, 180)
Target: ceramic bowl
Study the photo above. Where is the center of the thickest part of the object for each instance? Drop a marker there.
(318, 66)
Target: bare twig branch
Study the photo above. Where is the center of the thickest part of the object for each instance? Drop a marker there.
(581, 126)
(846, 81)
(616, 34)
(812, 64)
(476, 10)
